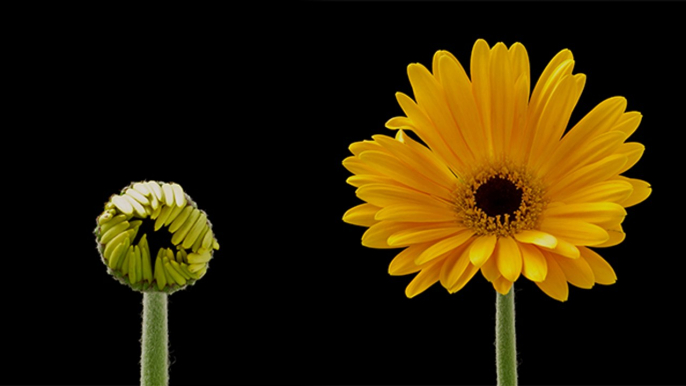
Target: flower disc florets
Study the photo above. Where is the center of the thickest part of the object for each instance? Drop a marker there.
(155, 217)
(500, 200)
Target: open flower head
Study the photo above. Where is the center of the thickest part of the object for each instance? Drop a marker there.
(494, 182)
(153, 237)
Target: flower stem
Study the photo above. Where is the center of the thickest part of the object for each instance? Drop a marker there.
(505, 342)
(154, 350)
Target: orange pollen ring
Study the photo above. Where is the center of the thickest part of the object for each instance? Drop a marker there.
(510, 200)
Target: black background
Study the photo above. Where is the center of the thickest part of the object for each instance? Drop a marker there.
(252, 111)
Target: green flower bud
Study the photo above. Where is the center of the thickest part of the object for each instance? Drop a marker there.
(153, 238)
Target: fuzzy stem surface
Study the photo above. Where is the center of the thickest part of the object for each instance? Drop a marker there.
(155, 340)
(506, 345)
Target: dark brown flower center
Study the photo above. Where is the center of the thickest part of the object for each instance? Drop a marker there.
(498, 196)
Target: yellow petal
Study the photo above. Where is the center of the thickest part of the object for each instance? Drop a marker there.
(534, 266)
(490, 270)
(577, 271)
(628, 123)
(481, 89)
(558, 68)
(358, 147)
(364, 179)
(520, 61)
(415, 213)
(600, 120)
(616, 234)
(435, 66)
(430, 97)
(455, 266)
(426, 130)
(564, 248)
(418, 160)
(482, 249)
(575, 231)
(403, 262)
(468, 274)
(462, 104)
(641, 191)
(437, 169)
(423, 280)
(502, 97)
(606, 191)
(596, 212)
(633, 151)
(555, 283)
(356, 166)
(404, 123)
(519, 141)
(566, 159)
(362, 215)
(602, 270)
(502, 285)
(423, 234)
(590, 174)
(384, 195)
(390, 166)
(377, 235)
(508, 258)
(554, 119)
(562, 64)
(536, 237)
(444, 246)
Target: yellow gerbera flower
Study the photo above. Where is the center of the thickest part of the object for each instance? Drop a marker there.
(500, 188)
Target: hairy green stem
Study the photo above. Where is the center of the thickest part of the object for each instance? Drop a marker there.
(505, 341)
(154, 350)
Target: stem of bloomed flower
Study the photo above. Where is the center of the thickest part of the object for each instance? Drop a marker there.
(154, 350)
(505, 342)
